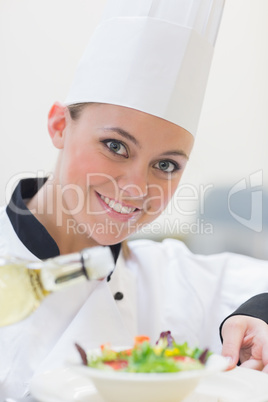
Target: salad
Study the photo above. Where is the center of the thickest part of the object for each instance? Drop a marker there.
(166, 356)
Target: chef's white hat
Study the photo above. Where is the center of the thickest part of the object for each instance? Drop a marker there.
(151, 55)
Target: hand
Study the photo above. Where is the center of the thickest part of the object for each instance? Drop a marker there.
(246, 339)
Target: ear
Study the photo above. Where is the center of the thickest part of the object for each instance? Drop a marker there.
(57, 124)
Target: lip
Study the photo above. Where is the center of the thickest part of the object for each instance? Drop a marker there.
(118, 215)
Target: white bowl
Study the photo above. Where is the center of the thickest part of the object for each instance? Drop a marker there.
(116, 386)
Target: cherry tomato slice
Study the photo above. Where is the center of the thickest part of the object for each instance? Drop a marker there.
(141, 339)
(183, 358)
(117, 364)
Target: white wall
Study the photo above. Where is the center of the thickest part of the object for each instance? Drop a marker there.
(41, 42)
(232, 141)
(40, 45)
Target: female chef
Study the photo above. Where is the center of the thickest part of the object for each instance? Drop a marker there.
(124, 135)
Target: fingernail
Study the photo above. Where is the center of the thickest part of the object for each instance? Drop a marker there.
(229, 360)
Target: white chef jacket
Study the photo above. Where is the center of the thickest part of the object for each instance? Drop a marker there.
(164, 287)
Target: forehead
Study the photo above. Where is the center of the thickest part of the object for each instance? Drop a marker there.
(141, 125)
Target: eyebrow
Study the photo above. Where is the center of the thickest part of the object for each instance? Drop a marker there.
(176, 153)
(130, 137)
(124, 134)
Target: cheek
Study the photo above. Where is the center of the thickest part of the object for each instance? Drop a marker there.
(159, 196)
(84, 167)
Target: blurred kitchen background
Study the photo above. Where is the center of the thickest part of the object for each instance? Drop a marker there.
(222, 202)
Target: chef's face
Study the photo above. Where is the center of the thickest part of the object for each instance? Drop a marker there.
(118, 168)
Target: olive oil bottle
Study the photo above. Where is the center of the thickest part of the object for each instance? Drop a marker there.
(24, 284)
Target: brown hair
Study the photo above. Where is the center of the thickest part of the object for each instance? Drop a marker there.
(75, 110)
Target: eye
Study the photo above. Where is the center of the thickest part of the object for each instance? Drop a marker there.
(116, 147)
(166, 166)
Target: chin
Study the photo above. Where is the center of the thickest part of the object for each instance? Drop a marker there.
(110, 238)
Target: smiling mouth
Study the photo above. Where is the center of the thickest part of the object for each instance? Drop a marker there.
(117, 207)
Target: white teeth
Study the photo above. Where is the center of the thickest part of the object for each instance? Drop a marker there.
(111, 203)
(116, 206)
(125, 210)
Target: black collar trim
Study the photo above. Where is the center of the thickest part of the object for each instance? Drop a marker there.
(28, 229)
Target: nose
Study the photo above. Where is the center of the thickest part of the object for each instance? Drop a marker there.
(134, 183)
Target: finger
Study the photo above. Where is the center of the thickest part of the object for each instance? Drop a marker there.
(233, 335)
(265, 357)
(253, 364)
